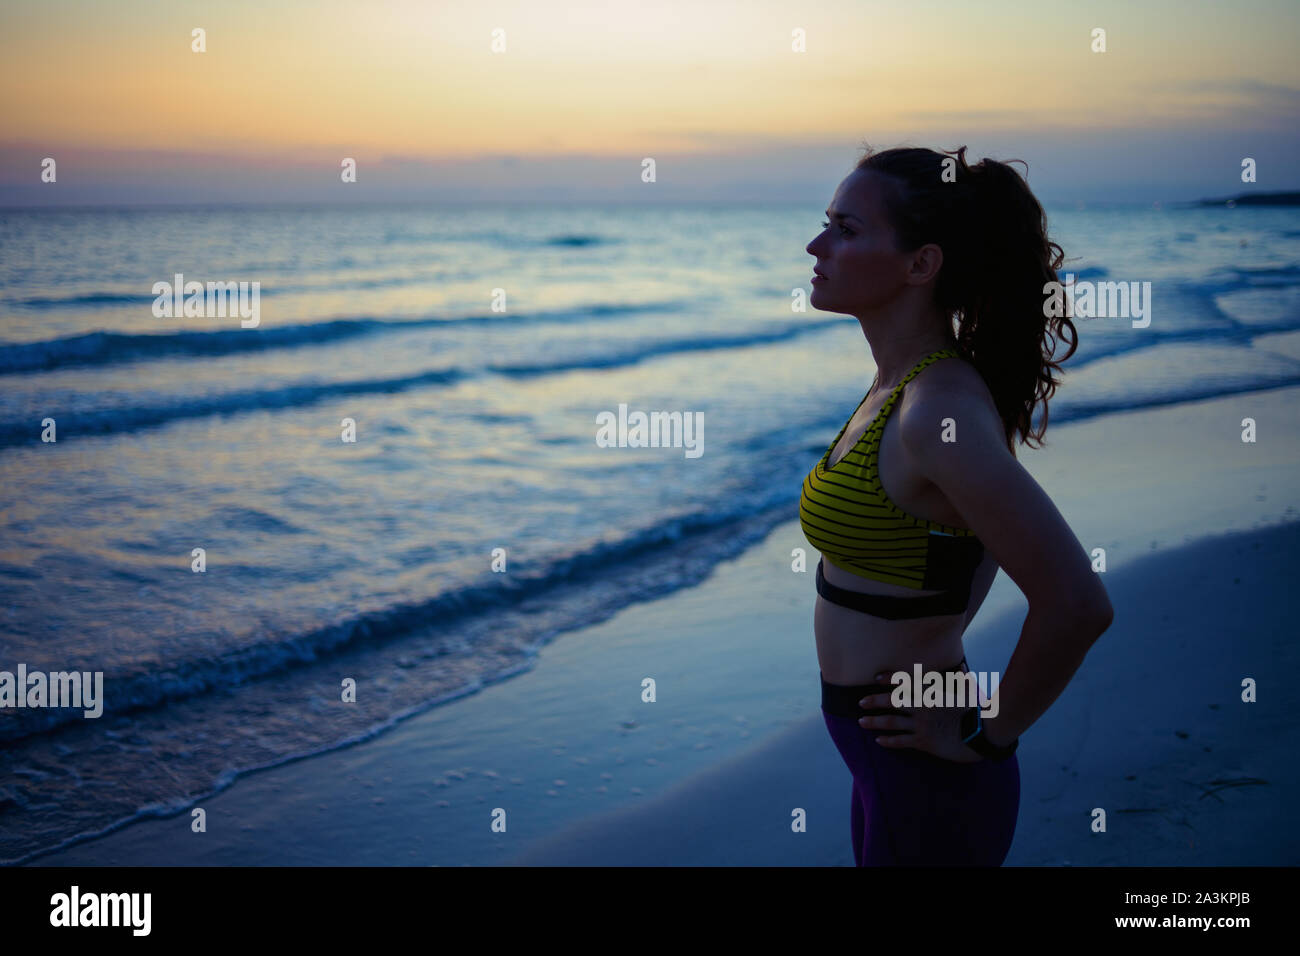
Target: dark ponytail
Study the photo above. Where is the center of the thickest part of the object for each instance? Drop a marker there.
(996, 260)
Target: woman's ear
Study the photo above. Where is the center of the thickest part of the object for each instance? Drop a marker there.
(926, 263)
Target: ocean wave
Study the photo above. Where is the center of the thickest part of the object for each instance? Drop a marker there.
(134, 418)
(575, 241)
(126, 419)
(107, 348)
(1065, 411)
(123, 420)
(275, 287)
(141, 689)
(1238, 277)
(82, 299)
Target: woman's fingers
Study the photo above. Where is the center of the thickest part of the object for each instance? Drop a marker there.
(876, 701)
(901, 720)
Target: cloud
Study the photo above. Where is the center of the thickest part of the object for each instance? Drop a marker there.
(1262, 96)
(1066, 164)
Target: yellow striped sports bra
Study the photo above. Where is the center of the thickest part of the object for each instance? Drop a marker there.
(846, 515)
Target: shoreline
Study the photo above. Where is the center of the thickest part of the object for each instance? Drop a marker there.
(569, 741)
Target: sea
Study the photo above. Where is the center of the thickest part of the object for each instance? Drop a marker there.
(277, 539)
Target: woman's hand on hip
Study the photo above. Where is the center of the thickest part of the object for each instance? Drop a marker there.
(934, 730)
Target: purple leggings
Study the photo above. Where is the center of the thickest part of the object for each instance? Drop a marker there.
(911, 808)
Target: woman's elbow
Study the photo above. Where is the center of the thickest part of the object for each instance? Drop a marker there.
(1088, 610)
(1105, 616)
(1095, 613)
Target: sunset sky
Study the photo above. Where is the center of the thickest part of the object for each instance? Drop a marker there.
(585, 90)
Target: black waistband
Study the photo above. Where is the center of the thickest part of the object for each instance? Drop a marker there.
(895, 608)
(842, 699)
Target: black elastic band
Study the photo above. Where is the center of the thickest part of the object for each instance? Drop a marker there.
(895, 608)
(842, 699)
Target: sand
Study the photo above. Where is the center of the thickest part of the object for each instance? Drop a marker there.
(1152, 729)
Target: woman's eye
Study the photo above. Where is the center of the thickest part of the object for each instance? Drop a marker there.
(844, 230)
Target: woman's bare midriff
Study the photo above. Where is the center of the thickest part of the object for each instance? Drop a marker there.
(852, 647)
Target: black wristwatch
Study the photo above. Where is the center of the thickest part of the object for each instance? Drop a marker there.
(972, 735)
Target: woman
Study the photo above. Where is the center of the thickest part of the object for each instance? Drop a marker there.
(920, 499)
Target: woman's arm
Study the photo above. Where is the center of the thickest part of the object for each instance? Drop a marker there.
(1018, 523)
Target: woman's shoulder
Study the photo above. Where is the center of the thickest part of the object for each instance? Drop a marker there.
(950, 394)
(953, 380)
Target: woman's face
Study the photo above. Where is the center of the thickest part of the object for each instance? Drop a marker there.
(856, 252)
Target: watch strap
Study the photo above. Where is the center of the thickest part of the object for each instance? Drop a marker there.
(973, 736)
